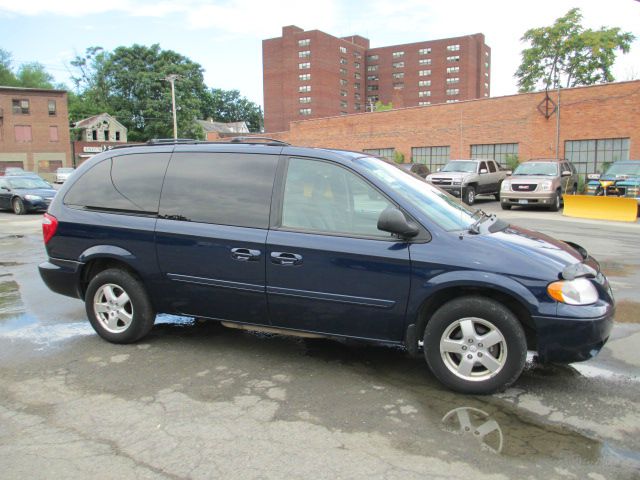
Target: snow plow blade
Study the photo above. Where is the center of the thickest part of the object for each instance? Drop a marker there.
(618, 209)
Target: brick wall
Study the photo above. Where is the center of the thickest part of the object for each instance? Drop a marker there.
(595, 112)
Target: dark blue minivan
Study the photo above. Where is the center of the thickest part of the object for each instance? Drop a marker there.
(337, 243)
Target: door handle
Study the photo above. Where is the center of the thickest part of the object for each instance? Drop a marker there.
(284, 258)
(245, 254)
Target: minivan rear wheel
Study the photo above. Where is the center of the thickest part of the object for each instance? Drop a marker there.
(475, 345)
(118, 306)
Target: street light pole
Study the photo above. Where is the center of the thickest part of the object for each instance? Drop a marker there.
(172, 79)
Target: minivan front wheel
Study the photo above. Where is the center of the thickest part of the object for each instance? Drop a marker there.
(475, 345)
(118, 306)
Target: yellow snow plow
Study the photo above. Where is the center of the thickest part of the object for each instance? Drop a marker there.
(618, 209)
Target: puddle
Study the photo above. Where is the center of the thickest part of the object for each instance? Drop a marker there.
(10, 301)
(627, 311)
(10, 264)
(615, 269)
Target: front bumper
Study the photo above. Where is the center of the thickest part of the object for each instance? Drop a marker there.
(62, 276)
(526, 198)
(37, 205)
(566, 340)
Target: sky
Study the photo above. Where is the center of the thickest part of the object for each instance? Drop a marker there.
(225, 37)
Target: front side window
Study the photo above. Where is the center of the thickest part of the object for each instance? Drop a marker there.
(323, 197)
(219, 188)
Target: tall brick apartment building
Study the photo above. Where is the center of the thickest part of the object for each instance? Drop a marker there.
(34, 130)
(311, 74)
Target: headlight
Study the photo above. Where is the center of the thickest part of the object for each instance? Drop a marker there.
(579, 291)
(506, 185)
(632, 191)
(33, 198)
(546, 185)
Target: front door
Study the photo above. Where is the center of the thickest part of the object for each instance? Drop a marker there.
(329, 269)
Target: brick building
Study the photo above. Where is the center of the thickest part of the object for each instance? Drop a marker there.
(34, 130)
(597, 124)
(311, 74)
(96, 134)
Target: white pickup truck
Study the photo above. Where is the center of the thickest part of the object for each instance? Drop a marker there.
(467, 178)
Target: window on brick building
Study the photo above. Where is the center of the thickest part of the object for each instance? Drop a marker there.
(304, 99)
(398, 65)
(372, 58)
(453, 91)
(357, 107)
(453, 69)
(372, 68)
(398, 85)
(357, 56)
(372, 78)
(343, 50)
(453, 80)
(424, 73)
(343, 82)
(304, 54)
(343, 104)
(499, 152)
(424, 83)
(424, 61)
(453, 48)
(453, 58)
(356, 96)
(343, 61)
(20, 106)
(397, 76)
(433, 157)
(387, 153)
(305, 111)
(372, 98)
(53, 133)
(591, 156)
(397, 54)
(424, 51)
(424, 93)
(423, 104)
(52, 107)
(343, 93)
(356, 65)
(356, 86)
(22, 133)
(343, 72)
(372, 88)
(356, 75)
(304, 77)
(304, 66)
(305, 42)
(452, 100)
(304, 88)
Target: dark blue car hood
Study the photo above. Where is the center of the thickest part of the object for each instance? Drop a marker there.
(42, 192)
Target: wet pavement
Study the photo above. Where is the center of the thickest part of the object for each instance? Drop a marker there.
(197, 400)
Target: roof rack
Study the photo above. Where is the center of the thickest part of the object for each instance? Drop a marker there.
(260, 140)
(161, 141)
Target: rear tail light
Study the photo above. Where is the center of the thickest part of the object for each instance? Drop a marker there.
(49, 227)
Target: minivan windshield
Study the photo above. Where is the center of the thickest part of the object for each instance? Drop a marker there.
(624, 169)
(460, 166)
(537, 168)
(440, 207)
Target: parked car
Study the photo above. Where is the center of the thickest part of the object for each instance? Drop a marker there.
(419, 169)
(540, 182)
(467, 178)
(334, 243)
(23, 194)
(622, 179)
(62, 174)
(12, 171)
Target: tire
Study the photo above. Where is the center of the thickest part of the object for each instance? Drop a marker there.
(18, 206)
(505, 206)
(469, 196)
(556, 201)
(497, 196)
(118, 306)
(458, 328)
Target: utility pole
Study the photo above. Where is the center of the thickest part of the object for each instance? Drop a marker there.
(172, 80)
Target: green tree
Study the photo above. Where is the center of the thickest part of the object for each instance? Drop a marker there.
(7, 77)
(34, 75)
(129, 84)
(566, 54)
(230, 106)
(381, 107)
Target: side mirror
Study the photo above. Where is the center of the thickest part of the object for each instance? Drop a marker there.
(6, 188)
(566, 173)
(483, 170)
(393, 221)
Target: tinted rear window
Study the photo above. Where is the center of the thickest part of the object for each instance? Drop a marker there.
(220, 188)
(123, 183)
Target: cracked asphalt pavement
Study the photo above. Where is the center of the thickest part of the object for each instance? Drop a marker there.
(197, 400)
